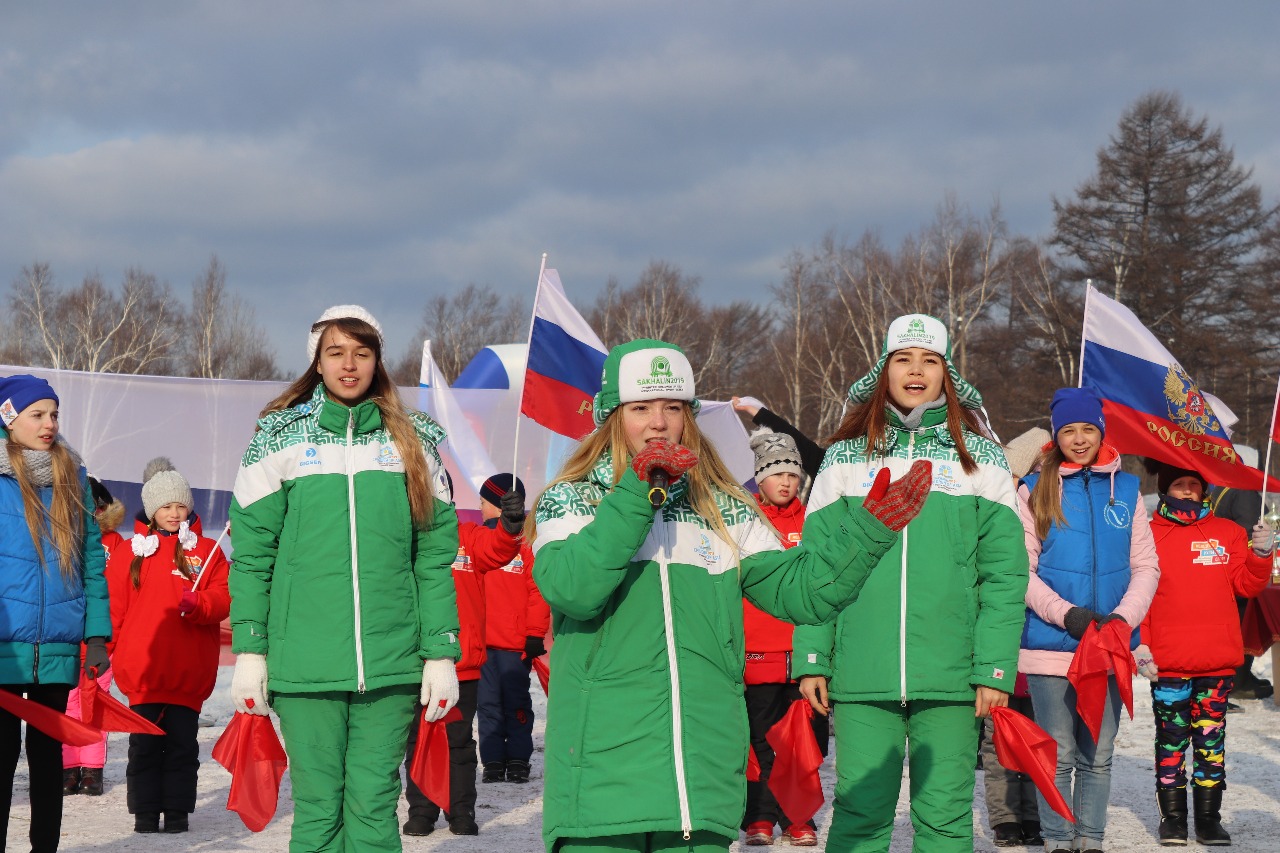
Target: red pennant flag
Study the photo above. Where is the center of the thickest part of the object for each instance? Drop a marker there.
(1102, 651)
(56, 725)
(429, 769)
(753, 765)
(796, 757)
(103, 711)
(252, 754)
(543, 670)
(1024, 747)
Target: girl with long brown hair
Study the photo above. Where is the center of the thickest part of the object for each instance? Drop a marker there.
(645, 546)
(343, 608)
(53, 593)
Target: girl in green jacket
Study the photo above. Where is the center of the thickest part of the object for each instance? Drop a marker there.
(931, 644)
(343, 608)
(646, 740)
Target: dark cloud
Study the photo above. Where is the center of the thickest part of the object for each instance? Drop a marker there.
(387, 151)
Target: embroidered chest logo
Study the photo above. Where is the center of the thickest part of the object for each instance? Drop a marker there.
(704, 551)
(195, 566)
(944, 478)
(793, 537)
(312, 458)
(1118, 515)
(387, 456)
(1208, 553)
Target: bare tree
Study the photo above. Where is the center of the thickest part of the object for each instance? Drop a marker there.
(223, 340)
(93, 329)
(459, 326)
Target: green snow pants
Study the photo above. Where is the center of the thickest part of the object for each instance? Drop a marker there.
(345, 751)
(871, 740)
(647, 842)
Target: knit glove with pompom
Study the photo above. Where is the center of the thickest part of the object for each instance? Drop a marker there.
(895, 504)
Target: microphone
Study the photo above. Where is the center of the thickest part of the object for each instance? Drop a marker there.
(659, 479)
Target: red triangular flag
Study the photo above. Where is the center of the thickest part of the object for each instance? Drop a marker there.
(1101, 651)
(429, 769)
(796, 757)
(753, 765)
(56, 725)
(103, 711)
(543, 670)
(252, 754)
(1024, 747)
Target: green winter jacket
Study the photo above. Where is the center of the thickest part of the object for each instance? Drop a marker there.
(330, 580)
(942, 613)
(646, 727)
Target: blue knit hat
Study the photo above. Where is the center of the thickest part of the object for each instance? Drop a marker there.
(1076, 406)
(19, 391)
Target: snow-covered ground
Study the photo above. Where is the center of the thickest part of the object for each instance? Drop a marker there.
(510, 815)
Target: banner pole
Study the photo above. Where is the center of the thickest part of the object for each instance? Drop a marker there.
(1084, 329)
(515, 449)
(1266, 466)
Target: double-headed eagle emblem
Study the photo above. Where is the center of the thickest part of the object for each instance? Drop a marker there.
(1187, 406)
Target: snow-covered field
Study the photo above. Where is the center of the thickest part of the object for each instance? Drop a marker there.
(510, 815)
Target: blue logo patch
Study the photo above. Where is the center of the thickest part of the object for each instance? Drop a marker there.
(704, 551)
(1118, 515)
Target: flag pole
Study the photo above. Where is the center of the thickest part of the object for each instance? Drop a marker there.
(515, 449)
(1084, 328)
(1266, 467)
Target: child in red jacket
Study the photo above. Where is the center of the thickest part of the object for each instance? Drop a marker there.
(481, 549)
(516, 624)
(168, 594)
(770, 690)
(1191, 646)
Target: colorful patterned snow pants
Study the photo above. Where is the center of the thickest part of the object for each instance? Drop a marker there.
(1191, 712)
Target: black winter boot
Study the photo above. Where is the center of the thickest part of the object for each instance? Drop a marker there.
(71, 781)
(91, 781)
(1208, 804)
(494, 771)
(517, 770)
(1173, 816)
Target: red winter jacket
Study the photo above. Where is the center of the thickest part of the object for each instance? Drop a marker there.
(162, 656)
(481, 549)
(1193, 626)
(516, 608)
(768, 639)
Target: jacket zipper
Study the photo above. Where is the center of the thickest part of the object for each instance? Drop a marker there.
(902, 615)
(1093, 543)
(677, 725)
(35, 663)
(355, 553)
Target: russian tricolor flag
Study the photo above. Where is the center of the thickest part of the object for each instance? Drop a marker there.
(566, 359)
(1153, 408)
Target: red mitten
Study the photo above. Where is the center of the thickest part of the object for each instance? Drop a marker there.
(896, 503)
(675, 459)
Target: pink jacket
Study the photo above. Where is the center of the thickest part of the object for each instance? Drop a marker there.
(1144, 568)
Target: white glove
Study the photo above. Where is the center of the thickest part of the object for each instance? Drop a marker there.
(439, 688)
(1146, 664)
(1263, 540)
(249, 684)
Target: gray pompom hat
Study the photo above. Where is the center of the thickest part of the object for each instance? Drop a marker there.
(164, 485)
(916, 330)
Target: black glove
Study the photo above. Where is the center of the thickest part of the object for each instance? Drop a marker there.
(96, 661)
(1111, 617)
(1078, 619)
(534, 648)
(513, 512)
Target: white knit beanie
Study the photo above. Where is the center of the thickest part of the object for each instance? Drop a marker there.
(339, 312)
(163, 485)
(776, 453)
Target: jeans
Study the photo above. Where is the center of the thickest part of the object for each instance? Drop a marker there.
(1054, 700)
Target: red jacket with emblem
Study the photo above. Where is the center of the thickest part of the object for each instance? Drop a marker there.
(481, 549)
(768, 638)
(1193, 626)
(516, 608)
(162, 656)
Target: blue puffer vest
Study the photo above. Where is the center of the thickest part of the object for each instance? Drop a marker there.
(1087, 560)
(42, 611)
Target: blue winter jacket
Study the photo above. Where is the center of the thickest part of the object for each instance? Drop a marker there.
(44, 615)
(1087, 560)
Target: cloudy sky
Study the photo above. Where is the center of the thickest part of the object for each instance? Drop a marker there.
(383, 152)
